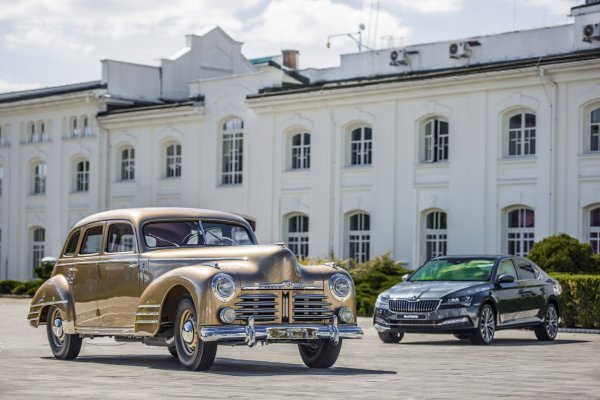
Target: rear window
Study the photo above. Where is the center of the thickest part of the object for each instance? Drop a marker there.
(526, 271)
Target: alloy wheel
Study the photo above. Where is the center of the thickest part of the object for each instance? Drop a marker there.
(487, 324)
(551, 322)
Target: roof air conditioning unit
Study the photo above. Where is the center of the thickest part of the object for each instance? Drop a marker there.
(399, 57)
(459, 50)
(591, 32)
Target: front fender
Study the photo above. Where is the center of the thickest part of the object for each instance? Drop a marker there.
(55, 291)
(196, 280)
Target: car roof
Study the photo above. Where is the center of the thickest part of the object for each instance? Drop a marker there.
(140, 215)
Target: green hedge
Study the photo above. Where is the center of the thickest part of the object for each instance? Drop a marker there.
(16, 287)
(579, 303)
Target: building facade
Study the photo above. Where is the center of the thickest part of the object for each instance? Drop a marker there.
(481, 145)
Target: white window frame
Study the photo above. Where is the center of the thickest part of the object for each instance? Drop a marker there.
(593, 231)
(436, 143)
(42, 132)
(524, 137)
(593, 131)
(85, 126)
(39, 173)
(300, 153)
(74, 127)
(298, 240)
(359, 239)
(360, 150)
(435, 235)
(232, 152)
(38, 245)
(519, 239)
(173, 161)
(127, 163)
(82, 176)
(1, 179)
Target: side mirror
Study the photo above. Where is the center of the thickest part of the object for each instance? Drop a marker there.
(405, 277)
(506, 278)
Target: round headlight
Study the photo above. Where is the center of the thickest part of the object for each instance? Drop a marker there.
(346, 314)
(227, 315)
(223, 287)
(340, 286)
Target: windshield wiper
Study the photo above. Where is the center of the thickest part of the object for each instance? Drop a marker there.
(163, 240)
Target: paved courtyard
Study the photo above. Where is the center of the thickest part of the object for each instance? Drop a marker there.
(422, 366)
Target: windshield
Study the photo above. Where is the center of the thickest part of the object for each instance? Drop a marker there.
(195, 234)
(454, 270)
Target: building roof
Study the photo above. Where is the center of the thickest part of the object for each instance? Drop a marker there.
(50, 91)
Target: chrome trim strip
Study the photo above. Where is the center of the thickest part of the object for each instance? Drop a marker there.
(147, 313)
(77, 263)
(49, 303)
(239, 332)
(201, 259)
(99, 331)
(282, 286)
(146, 321)
(149, 306)
(118, 261)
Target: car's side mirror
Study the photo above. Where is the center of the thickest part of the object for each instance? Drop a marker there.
(405, 277)
(506, 278)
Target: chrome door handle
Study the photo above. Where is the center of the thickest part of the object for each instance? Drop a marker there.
(71, 269)
(133, 265)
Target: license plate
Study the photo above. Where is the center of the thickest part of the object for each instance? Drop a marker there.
(292, 333)
(411, 316)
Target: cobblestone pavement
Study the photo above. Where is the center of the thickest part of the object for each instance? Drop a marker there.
(421, 366)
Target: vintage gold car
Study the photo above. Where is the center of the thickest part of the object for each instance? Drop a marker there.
(190, 279)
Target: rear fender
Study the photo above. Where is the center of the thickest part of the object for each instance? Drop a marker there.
(56, 291)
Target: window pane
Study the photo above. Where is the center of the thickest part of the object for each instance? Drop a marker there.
(515, 122)
(595, 218)
(120, 238)
(72, 245)
(529, 120)
(506, 268)
(92, 241)
(596, 116)
(525, 271)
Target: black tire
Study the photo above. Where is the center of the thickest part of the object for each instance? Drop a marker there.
(64, 346)
(173, 351)
(322, 355)
(390, 337)
(192, 352)
(462, 336)
(547, 330)
(486, 326)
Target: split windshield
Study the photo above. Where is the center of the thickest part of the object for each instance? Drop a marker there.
(195, 234)
(454, 270)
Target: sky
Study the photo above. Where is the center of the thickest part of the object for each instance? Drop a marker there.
(53, 42)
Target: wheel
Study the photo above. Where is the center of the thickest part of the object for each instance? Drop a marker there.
(486, 326)
(391, 337)
(322, 355)
(173, 351)
(64, 346)
(462, 336)
(192, 352)
(547, 330)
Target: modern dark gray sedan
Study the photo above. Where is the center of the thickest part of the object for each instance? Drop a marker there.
(471, 297)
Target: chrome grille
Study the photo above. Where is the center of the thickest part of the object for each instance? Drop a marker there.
(311, 307)
(260, 306)
(404, 305)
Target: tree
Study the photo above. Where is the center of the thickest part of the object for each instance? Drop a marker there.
(563, 253)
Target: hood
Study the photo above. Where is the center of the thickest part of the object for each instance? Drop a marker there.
(253, 265)
(433, 290)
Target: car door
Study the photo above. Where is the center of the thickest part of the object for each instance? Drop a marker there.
(507, 294)
(83, 275)
(118, 284)
(531, 290)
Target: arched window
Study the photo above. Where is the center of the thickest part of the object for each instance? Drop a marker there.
(359, 236)
(173, 161)
(521, 134)
(38, 243)
(361, 146)
(127, 164)
(520, 231)
(82, 176)
(232, 136)
(435, 140)
(38, 178)
(595, 130)
(435, 234)
(594, 230)
(300, 148)
(297, 235)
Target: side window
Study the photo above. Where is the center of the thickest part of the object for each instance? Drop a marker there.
(92, 241)
(507, 268)
(525, 270)
(72, 244)
(120, 238)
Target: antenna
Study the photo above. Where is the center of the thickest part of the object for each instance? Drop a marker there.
(351, 35)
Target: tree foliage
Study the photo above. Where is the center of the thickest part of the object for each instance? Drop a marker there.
(563, 253)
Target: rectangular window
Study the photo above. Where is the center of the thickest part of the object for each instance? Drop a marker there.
(522, 135)
(120, 238)
(233, 156)
(361, 146)
(92, 240)
(82, 178)
(38, 246)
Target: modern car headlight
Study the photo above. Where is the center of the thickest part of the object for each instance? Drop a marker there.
(383, 301)
(459, 301)
(340, 286)
(223, 286)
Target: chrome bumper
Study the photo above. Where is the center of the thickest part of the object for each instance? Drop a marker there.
(251, 333)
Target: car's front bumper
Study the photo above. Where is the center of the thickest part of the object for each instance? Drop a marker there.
(442, 320)
(250, 333)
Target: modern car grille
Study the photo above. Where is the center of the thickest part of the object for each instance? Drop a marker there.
(403, 305)
(311, 307)
(260, 306)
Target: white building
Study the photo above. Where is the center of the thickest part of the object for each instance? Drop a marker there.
(480, 145)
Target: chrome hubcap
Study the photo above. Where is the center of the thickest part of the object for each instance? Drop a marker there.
(551, 322)
(187, 328)
(487, 325)
(57, 328)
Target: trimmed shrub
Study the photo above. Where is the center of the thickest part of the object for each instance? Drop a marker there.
(27, 288)
(7, 286)
(579, 304)
(563, 253)
(44, 269)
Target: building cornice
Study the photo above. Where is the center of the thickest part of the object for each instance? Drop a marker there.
(151, 115)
